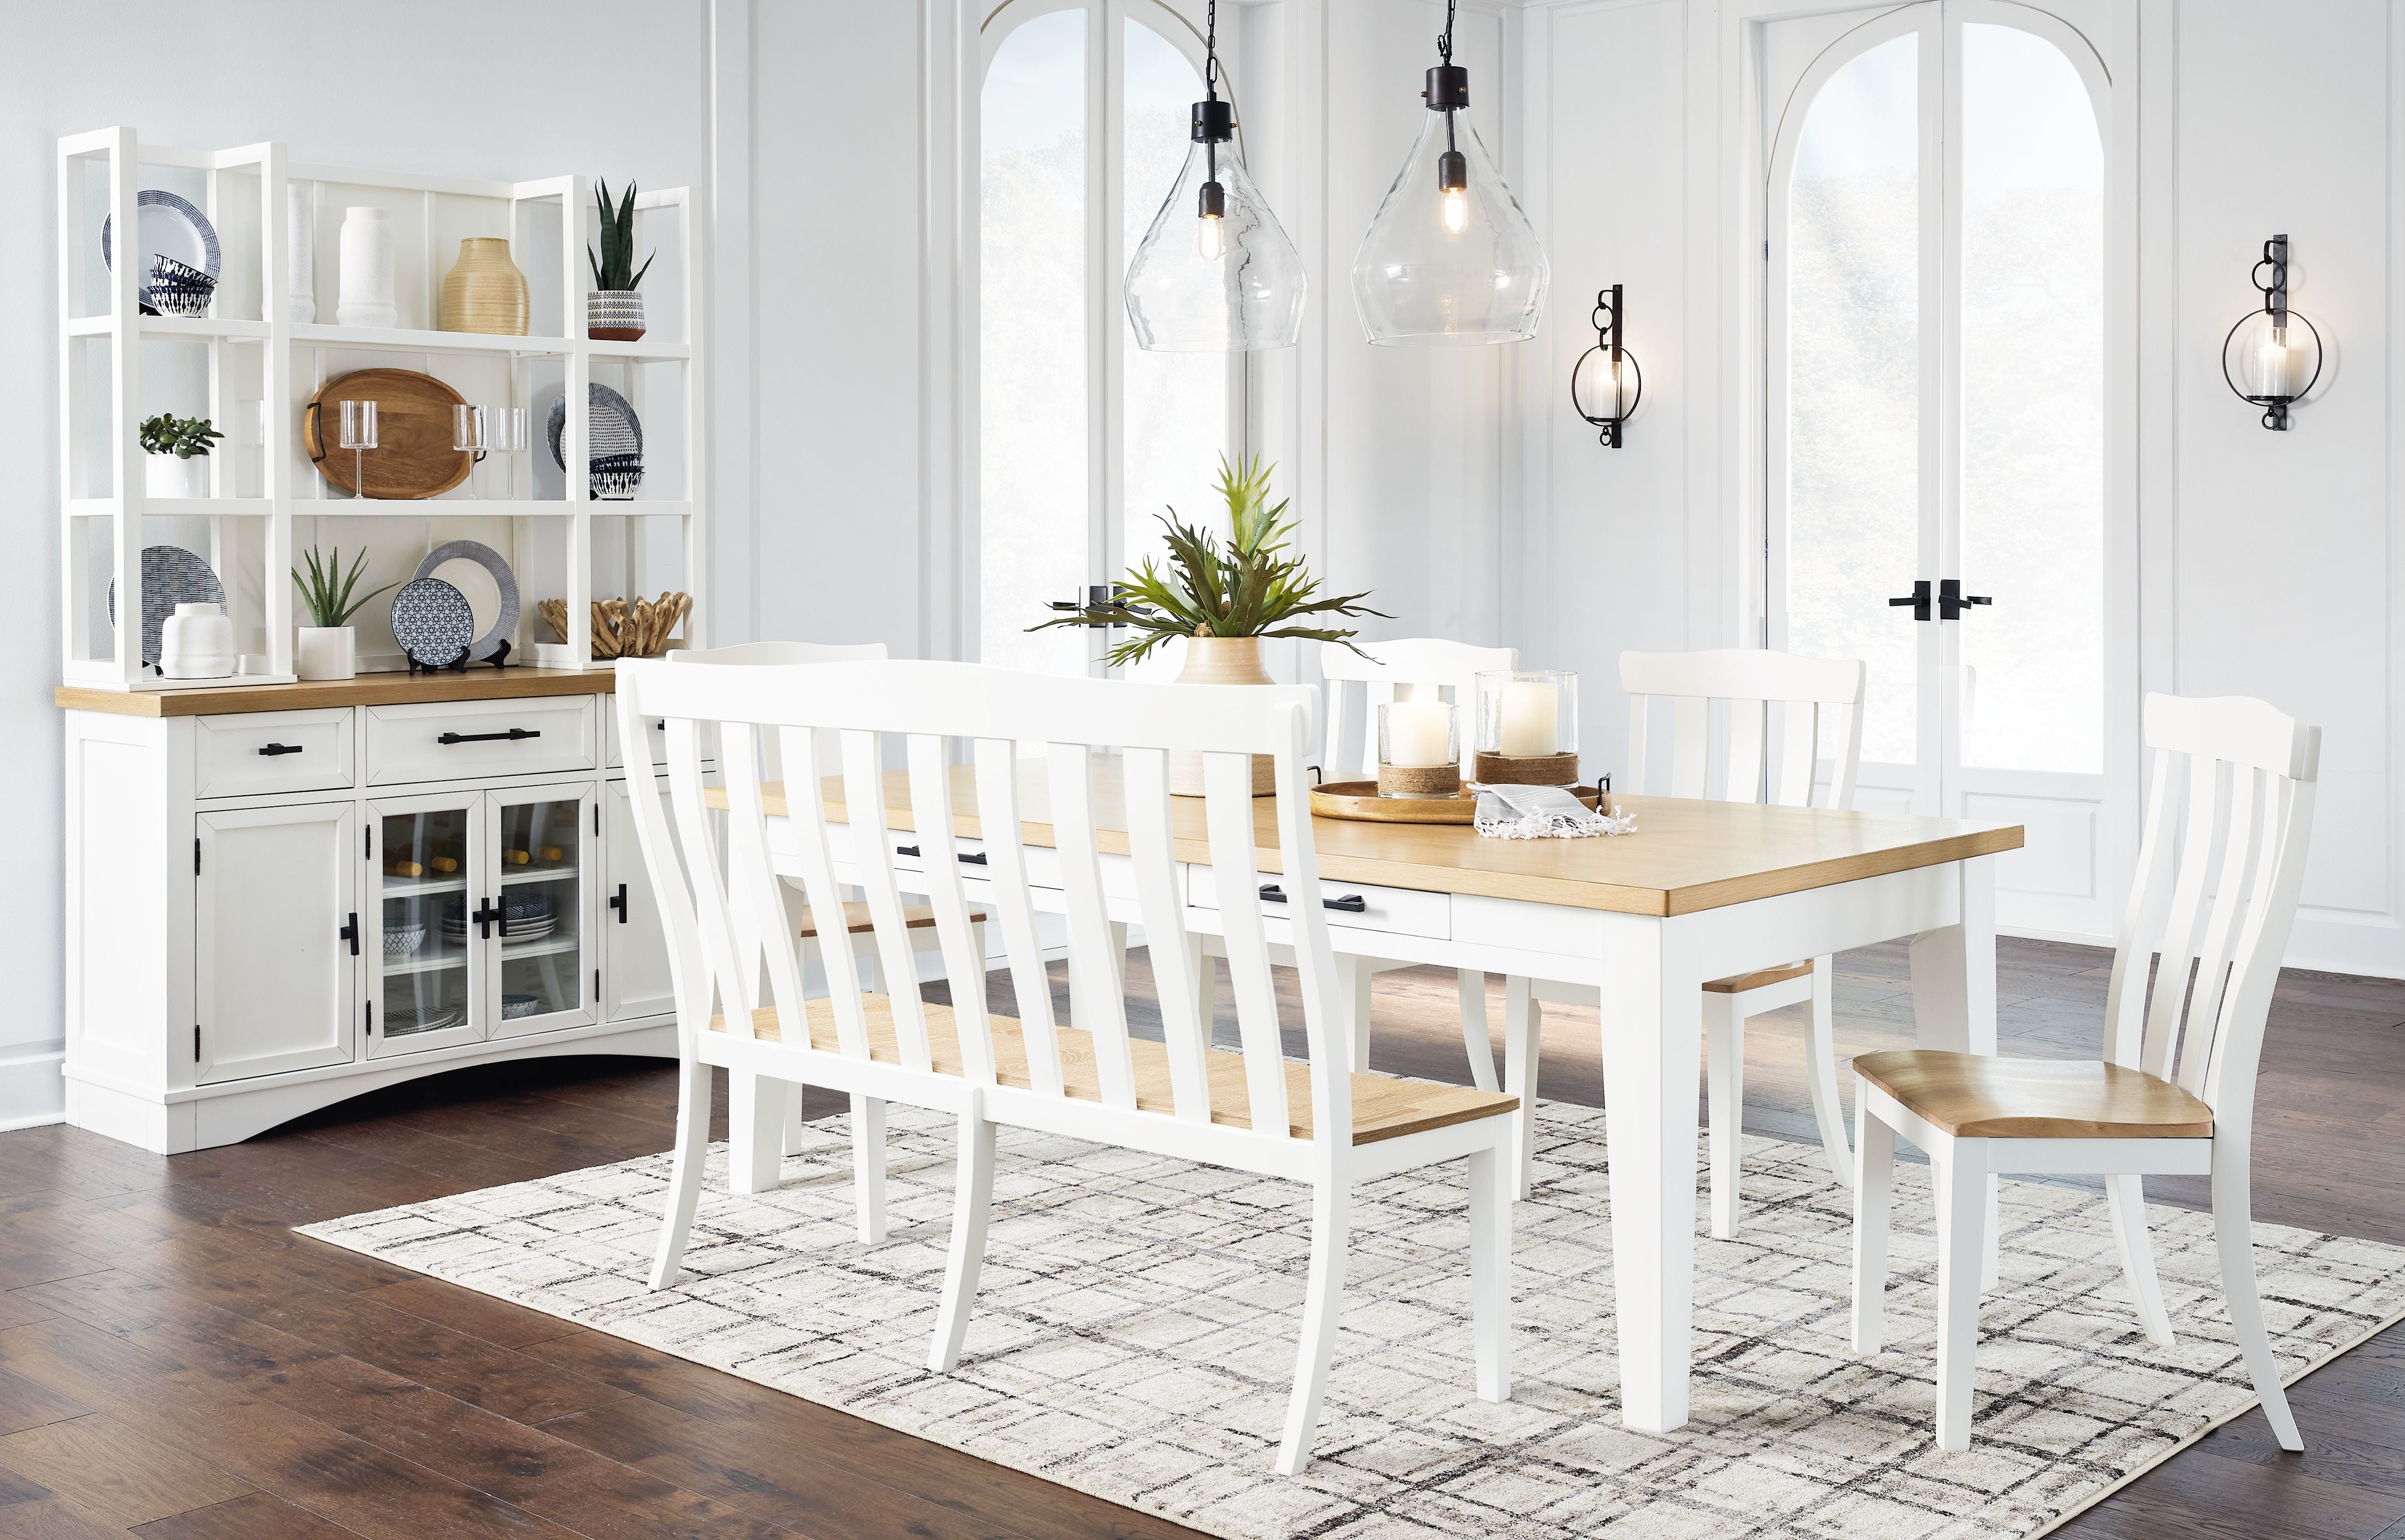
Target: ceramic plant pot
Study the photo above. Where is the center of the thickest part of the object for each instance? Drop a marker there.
(196, 642)
(365, 297)
(483, 291)
(327, 652)
(1220, 660)
(613, 315)
(165, 475)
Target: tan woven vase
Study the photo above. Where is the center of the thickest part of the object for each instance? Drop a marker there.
(483, 291)
(1220, 660)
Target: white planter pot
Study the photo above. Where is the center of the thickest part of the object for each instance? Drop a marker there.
(164, 475)
(364, 295)
(327, 652)
(196, 642)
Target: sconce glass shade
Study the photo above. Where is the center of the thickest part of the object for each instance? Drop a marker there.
(1450, 266)
(2266, 362)
(1229, 285)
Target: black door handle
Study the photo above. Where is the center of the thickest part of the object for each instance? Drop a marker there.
(1917, 599)
(1352, 903)
(485, 916)
(1953, 603)
(350, 932)
(619, 903)
(510, 737)
(272, 750)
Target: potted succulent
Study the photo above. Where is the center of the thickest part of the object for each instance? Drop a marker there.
(329, 646)
(178, 450)
(1223, 600)
(613, 311)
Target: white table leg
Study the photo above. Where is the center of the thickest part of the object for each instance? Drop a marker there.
(1652, 1035)
(755, 1131)
(1954, 997)
(1352, 976)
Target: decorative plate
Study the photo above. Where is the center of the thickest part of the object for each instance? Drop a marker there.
(478, 572)
(432, 622)
(171, 575)
(212, 256)
(616, 447)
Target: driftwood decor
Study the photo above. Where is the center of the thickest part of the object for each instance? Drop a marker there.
(622, 628)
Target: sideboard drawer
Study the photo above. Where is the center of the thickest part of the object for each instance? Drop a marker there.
(1403, 910)
(454, 740)
(253, 751)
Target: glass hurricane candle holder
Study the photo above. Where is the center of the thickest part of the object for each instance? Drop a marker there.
(1419, 749)
(1527, 728)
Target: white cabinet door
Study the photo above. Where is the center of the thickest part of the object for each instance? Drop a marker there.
(538, 887)
(635, 942)
(423, 861)
(277, 938)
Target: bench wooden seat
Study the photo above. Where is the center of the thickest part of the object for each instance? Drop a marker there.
(1976, 1096)
(855, 918)
(1384, 1107)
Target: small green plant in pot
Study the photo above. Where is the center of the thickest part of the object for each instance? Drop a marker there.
(178, 450)
(613, 309)
(1223, 599)
(329, 646)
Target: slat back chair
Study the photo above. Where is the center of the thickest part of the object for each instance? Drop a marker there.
(756, 1169)
(1088, 1077)
(1810, 700)
(2220, 866)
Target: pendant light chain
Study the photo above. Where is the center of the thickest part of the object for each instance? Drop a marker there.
(1444, 43)
(1210, 50)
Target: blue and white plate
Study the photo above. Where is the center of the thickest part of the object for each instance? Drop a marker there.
(432, 622)
(171, 575)
(204, 234)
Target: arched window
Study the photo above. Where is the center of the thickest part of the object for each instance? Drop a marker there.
(1083, 438)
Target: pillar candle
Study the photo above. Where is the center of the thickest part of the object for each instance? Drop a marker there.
(1419, 734)
(1531, 710)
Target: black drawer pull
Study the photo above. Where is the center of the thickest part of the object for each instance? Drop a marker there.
(906, 850)
(350, 932)
(1352, 903)
(975, 858)
(510, 737)
(272, 750)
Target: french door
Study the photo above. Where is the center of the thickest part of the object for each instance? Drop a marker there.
(1948, 427)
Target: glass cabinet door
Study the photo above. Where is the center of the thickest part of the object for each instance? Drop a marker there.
(423, 854)
(542, 966)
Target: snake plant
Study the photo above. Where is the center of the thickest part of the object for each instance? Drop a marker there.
(613, 265)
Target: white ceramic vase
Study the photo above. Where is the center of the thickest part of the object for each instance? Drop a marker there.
(327, 652)
(301, 255)
(365, 295)
(165, 476)
(196, 642)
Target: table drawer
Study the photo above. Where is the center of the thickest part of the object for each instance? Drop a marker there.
(1405, 910)
(457, 739)
(254, 752)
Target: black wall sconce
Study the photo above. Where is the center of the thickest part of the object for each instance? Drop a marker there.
(1607, 373)
(2263, 358)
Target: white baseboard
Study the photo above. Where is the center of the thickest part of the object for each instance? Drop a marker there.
(32, 1090)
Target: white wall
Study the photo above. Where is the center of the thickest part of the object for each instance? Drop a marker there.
(466, 87)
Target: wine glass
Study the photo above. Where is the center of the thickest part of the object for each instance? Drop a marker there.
(471, 433)
(358, 436)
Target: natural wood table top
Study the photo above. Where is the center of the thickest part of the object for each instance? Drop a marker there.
(1685, 855)
(368, 689)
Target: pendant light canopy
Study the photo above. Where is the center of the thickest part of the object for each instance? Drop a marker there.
(1450, 257)
(1215, 274)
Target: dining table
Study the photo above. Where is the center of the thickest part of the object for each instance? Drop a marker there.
(1698, 890)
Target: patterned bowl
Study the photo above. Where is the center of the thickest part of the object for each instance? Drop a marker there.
(516, 1005)
(403, 941)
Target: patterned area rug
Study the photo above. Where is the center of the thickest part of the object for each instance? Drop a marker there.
(1135, 1337)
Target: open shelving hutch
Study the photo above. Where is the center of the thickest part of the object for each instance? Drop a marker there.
(252, 371)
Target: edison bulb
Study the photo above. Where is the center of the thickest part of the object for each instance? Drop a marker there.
(1454, 206)
(1210, 237)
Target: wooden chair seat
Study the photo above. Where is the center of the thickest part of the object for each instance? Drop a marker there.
(1384, 1107)
(1738, 983)
(1973, 1095)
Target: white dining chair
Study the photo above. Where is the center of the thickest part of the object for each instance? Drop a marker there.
(1314, 1121)
(1766, 757)
(2219, 866)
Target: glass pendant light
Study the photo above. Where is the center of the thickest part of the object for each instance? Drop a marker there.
(1216, 273)
(1450, 257)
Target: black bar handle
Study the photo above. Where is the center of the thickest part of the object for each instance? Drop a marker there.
(1352, 903)
(485, 916)
(272, 750)
(974, 857)
(510, 737)
(1917, 599)
(350, 932)
(619, 903)
(906, 850)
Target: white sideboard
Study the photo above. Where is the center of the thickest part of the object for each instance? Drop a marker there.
(284, 895)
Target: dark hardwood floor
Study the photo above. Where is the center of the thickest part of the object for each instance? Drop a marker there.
(175, 1363)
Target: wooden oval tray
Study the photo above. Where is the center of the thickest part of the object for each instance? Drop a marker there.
(414, 458)
(1360, 800)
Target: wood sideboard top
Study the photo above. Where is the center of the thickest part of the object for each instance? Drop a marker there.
(368, 689)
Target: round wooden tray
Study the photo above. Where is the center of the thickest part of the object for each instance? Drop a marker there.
(1360, 800)
(414, 458)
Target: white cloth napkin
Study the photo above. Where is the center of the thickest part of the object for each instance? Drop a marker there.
(1541, 812)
